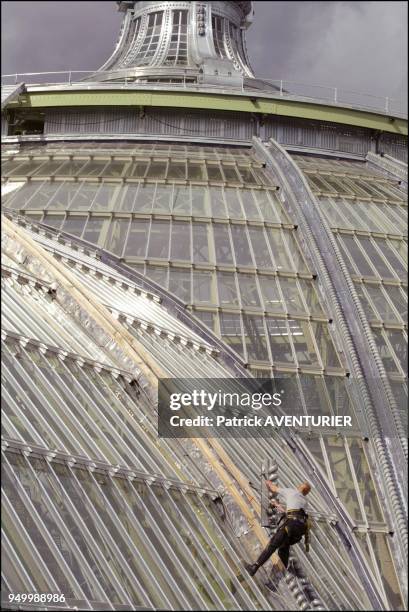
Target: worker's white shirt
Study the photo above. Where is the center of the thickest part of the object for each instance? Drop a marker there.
(293, 499)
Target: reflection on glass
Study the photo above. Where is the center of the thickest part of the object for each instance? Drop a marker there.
(222, 244)
(227, 289)
(74, 225)
(255, 338)
(137, 238)
(280, 346)
(117, 232)
(159, 240)
(180, 241)
(201, 234)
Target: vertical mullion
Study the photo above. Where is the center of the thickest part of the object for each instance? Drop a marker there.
(128, 540)
(56, 553)
(190, 554)
(252, 584)
(67, 535)
(43, 421)
(88, 538)
(71, 416)
(109, 540)
(18, 566)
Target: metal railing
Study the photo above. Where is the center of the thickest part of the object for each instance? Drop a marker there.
(275, 87)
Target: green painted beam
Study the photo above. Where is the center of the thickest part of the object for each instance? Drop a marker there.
(209, 102)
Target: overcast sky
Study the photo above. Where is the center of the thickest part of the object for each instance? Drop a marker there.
(359, 46)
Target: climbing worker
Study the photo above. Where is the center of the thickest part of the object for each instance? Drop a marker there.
(294, 525)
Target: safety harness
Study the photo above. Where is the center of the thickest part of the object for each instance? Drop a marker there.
(299, 515)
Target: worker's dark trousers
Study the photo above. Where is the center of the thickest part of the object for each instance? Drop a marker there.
(290, 533)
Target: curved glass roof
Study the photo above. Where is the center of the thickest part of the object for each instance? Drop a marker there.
(86, 428)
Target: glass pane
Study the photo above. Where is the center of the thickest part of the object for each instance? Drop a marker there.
(106, 533)
(222, 244)
(303, 343)
(217, 203)
(53, 220)
(247, 176)
(325, 345)
(71, 167)
(138, 169)
(201, 233)
(249, 291)
(180, 242)
(27, 517)
(279, 341)
(93, 230)
(230, 173)
(230, 330)
(255, 338)
(200, 201)
(399, 300)
(180, 284)
(144, 198)
(159, 239)
(341, 473)
(158, 274)
(181, 200)
(357, 256)
(105, 197)
(227, 287)
(177, 170)
(273, 302)
(249, 204)
(365, 481)
(399, 345)
(295, 251)
(384, 352)
(233, 204)
(278, 249)
(196, 171)
(386, 569)
(390, 249)
(137, 238)
(117, 232)
(241, 245)
(380, 303)
(63, 196)
(376, 260)
(49, 168)
(129, 191)
(157, 170)
(310, 296)
(260, 248)
(291, 295)
(366, 304)
(214, 173)
(74, 225)
(93, 168)
(203, 288)
(162, 199)
(268, 206)
(208, 318)
(84, 196)
(116, 169)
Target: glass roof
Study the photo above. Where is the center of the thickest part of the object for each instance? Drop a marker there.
(95, 418)
(215, 238)
(367, 212)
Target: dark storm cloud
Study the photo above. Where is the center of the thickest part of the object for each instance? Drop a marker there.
(358, 46)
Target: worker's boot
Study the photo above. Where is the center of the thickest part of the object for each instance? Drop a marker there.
(251, 568)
